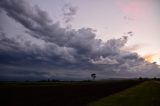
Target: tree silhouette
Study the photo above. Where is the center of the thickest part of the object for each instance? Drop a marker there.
(93, 76)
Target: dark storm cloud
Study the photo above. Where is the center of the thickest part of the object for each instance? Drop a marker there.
(63, 52)
(12, 72)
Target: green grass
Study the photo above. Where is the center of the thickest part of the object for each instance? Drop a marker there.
(145, 94)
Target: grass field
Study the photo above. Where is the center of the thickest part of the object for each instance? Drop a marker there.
(60, 93)
(145, 94)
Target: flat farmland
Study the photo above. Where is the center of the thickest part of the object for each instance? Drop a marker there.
(59, 93)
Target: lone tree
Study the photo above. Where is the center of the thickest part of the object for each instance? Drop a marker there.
(93, 76)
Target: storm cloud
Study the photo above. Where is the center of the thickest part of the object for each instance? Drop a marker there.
(63, 53)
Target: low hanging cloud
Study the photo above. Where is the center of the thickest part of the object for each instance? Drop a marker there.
(62, 53)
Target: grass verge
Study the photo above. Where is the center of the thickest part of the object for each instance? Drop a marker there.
(145, 94)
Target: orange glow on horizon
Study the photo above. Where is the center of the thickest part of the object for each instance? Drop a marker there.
(153, 58)
(148, 58)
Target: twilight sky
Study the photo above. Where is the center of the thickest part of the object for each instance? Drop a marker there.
(70, 39)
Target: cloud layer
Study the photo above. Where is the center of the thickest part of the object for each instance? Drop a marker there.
(62, 53)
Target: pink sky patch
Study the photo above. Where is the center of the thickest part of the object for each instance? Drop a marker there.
(134, 9)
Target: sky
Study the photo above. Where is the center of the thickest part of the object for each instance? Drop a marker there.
(71, 39)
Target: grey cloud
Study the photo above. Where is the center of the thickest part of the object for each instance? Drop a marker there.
(71, 52)
(48, 50)
(69, 11)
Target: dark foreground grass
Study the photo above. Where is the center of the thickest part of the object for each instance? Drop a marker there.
(145, 94)
(59, 94)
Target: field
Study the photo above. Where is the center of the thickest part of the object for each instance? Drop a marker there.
(59, 93)
(145, 94)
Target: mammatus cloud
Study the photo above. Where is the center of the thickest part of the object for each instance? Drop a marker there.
(63, 53)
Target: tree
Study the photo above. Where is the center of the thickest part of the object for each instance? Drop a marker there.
(93, 76)
(140, 78)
